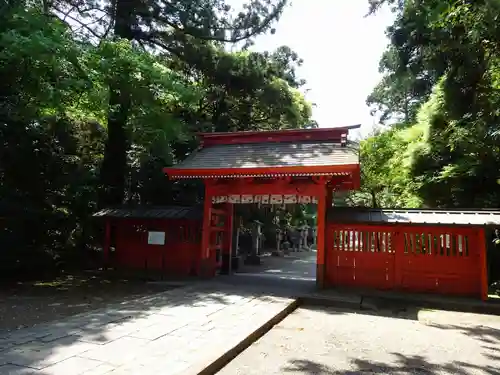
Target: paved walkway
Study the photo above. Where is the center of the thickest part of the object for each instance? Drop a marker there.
(296, 265)
(328, 341)
(176, 332)
(295, 272)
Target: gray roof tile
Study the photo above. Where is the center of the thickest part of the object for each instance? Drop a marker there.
(258, 155)
(346, 215)
(170, 212)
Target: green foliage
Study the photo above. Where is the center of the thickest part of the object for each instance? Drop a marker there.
(40, 64)
(385, 170)
(245, 91)
(400, 93)
(446, 55)
(155, 93)
(191, 31)
(77, 101)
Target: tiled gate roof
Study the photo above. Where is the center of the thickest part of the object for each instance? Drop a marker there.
(233, 158)
(294, 152)
(259, 155)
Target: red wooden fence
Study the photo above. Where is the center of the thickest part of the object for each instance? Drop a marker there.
(177, 257)
(435, 259)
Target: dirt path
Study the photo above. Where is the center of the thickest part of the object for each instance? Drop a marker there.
(28, 304)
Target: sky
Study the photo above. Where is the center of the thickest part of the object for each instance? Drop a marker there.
(341, 49)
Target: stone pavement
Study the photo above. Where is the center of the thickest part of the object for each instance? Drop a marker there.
(296, 265)
(180, 331)
(333, 341)
(375, 300)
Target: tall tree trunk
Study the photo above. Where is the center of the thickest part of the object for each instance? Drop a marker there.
(219, 119)
(374, 199)
(114, 166)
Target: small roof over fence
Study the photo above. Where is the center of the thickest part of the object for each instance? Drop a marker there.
(151, 212)
(348, 215)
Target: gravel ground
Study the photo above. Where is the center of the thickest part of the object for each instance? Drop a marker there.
(325, 341)
(31, 303)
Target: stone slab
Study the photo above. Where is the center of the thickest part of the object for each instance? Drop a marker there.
(39, 355)
(16, 370)
(117, 352)
(74, 366)
(158, 330)
(102, 369)
(169, 333)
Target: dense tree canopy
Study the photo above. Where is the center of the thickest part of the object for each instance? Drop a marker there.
(441, 83)
(97, 97)
(191, 31)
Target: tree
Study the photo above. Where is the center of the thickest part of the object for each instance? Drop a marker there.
(48, 161)
(385, 159)
(400, 93)
(170, 26)
(247, 91)
(55, 88)
(454, 48)
(450, 165)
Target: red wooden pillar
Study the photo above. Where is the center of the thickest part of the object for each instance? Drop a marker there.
(324, 201)
(483, 261)
(228, 239)
(107, 244)
(229, 225)
(204, 260)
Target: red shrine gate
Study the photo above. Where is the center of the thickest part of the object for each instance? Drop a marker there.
(291, 166)
(414, 250)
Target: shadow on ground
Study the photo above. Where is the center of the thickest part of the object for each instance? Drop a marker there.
(401, 365)
(468, 325)
(488, 335)
(49, 343)
(91, 311)
(292, 274)
(43, 345)
(26, 304)
(485, 328)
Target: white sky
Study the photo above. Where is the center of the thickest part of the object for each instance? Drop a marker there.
(341, 49)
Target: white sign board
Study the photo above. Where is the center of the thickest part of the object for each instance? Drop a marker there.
(156, 238)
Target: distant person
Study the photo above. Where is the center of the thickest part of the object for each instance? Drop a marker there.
(295, 240)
